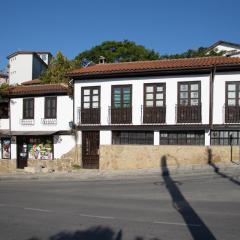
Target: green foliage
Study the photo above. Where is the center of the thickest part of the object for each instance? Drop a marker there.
(3, 86)
(76, 166)
(191, 53)
(57, 70)
(113, 51)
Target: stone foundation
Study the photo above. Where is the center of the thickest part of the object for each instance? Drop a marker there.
(123, 157)
(8, 165)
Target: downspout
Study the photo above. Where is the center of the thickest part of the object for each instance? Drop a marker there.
(211, 93)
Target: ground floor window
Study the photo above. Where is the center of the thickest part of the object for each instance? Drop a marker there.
(6, 148)
(182, 137)
(219, 137)
(132, 137)
(40, 148)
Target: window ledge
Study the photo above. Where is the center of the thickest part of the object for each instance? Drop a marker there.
(49, 121)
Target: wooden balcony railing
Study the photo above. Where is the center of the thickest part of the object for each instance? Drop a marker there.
(154, 114)
(90, 116)
(189, 114)
(120, 115)
(232, 114)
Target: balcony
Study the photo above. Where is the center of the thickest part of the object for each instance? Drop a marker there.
(49, 121)
(89, 115)
(189, 114)
(27, 122)
(120, 115)
(154, 115)
(232, 114)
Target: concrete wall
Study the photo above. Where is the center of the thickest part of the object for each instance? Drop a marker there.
(8, 165)
(121, 157)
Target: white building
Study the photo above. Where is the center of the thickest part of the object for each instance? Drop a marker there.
(37, 127)
(230, 49)
(166, 102)
(3, 78)
(27, 65)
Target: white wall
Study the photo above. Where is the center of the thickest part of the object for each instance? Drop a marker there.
(137, 95)
(226, 48)
(63, 144)
(64, 115)
(20, 68)
(4, 123)
(219, 94)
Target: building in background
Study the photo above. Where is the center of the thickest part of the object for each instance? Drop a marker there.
(3, 78)
(231, 49)
(27, 65)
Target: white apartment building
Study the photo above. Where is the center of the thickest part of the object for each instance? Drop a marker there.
(27, 65)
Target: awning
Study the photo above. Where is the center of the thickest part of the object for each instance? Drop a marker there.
(32, 133)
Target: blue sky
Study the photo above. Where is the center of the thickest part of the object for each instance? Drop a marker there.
(167, 26)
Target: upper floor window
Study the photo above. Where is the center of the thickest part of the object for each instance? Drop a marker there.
(50, 107)
(4, 110)
(90, 97)
(189, 93)
(122, 96)
(233, 94)
(28, 108)
(154, 95)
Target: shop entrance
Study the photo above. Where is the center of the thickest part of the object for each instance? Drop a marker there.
(90, 149)
(22, 152)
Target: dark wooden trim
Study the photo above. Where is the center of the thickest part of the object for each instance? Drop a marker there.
(145, 127)
(35, 95)
(45, 108)
(211, 92)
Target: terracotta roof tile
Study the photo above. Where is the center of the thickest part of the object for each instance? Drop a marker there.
(32, 82)
(157, 65)
(35, 90)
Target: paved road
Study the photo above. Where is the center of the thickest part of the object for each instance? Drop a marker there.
(157, 207)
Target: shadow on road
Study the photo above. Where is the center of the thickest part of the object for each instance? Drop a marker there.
(217, 170)
(195, 225)
(93, 233)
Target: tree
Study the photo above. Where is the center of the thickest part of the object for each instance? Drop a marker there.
(57, 70)
(116, 51)
(191, 53)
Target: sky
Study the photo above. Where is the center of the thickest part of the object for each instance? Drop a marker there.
(72, 26)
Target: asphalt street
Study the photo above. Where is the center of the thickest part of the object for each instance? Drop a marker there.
(153, 207)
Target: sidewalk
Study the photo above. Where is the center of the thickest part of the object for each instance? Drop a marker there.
(232, 170)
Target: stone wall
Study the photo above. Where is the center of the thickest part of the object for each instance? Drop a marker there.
(121, 157)
(8, 165)
(65, 163)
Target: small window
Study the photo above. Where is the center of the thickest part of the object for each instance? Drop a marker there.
(122, 96)
(233, 94)
(28, 108)
(50, 107)
(225, 137)
(4, 110)
(154, 95)
(90, 97)
(132, 137)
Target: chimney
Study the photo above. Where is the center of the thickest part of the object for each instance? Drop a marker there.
(102, 60)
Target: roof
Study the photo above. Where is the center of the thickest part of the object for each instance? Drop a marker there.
(154, 66)
(33, 90)
(27, 52)
(32, 82)
(3, 75)
(221, 42)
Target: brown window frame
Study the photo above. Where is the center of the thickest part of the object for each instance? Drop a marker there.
(4, 110)
(92, 88)
(121, 96)
(53, 114)
(28, 110)
(237, 94)
(154, 85)
(189, 93)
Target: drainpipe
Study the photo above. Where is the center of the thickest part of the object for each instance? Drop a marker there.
(211, 93)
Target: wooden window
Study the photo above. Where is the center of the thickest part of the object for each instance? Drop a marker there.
(4, 110)
(122, 96)
(132, 137)
(28, 108)
(225, 137)
(90, 97)
(154, 95)
(50, 107)
(233, 94)
(182, 137)
(189, 93)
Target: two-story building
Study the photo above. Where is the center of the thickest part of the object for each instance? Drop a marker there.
(130, 115)
(37, 125)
